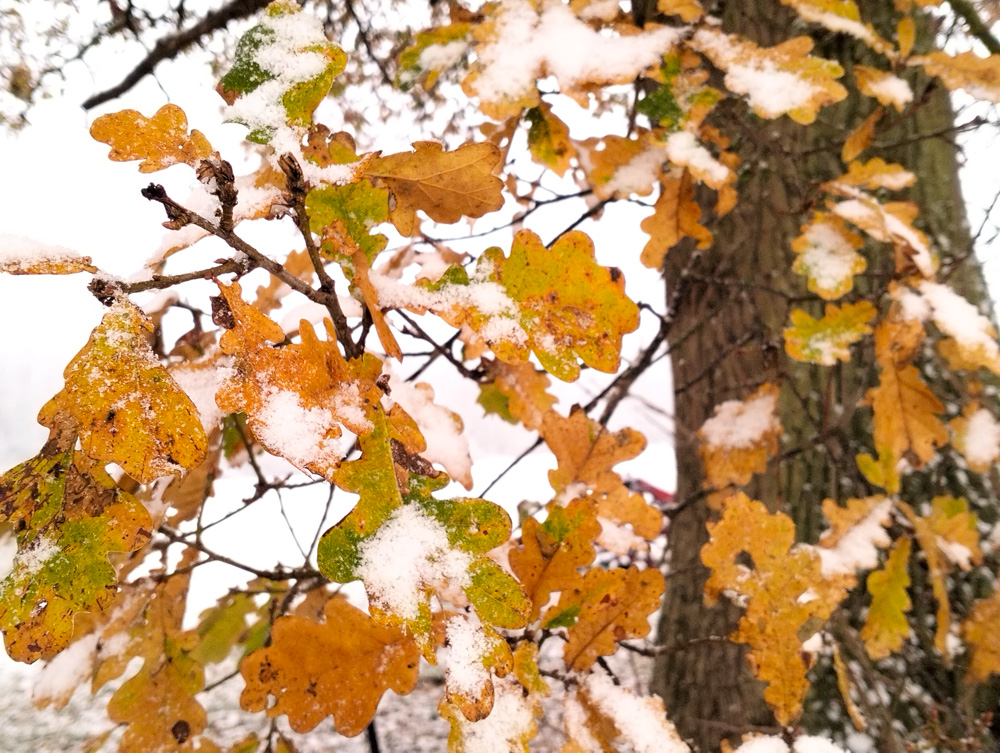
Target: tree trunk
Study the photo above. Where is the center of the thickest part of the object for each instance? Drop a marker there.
(731, 304)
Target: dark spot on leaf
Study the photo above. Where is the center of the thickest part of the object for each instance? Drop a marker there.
(181, 731)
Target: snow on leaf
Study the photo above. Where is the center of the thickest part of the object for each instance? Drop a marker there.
(548, 139)
(603, 609)
(787, 597)
(775, 80)
(886, 627)
(160, 141)
(827, 340)
(339, 667)
(877, 173)
(359, 206)
(978, 76)
(434, 50)
(507, 729)
(937, 569)
(618, 167)
(688, 10)
(675, 216)
(25, 256)
(640, 721)
(954, 528)
(124, 405)
(295, 397)
(684, 150)
(856, 532)
(827, 254)
(69, 515)
(586, 451)
(738, 439)
(476, 652)
(524, 43)
(976, 434)
(885, 87)
(283, 68)
(446, 186)
(552, 551)
(980, 631)
(839, 16)
(906, 422)
(518, 392)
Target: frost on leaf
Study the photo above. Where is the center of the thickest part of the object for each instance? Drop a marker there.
(339, 667)
(446, 186)
(827, 340)
(738, 439)
(886, 627)
(980, 631)
(69, 515)
(160, 141)
(603, 609)
(675, 216)
(124, 405)
(827, 254)
(296, 398)
(552, 551)
(283, 69)
(775, 80)
(548, 139)
(787, 597)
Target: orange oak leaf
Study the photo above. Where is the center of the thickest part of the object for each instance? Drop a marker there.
(980, 631)
(445, 185)
(339, 668)
(551, 552)
(737, 441)
(979, 76)
(476, 653)
(586, 451)
(787, 597)
(606, 607)
(937, 570)
(884, 86)
(517, 392)
(297, 397)
(859, 139)
(827, 254)
(124, 405)
(886, 627)
(160, 141)
(675, 216)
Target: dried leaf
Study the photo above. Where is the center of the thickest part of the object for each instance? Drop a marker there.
(445, 185)
(160, 141)
(339, 668)
(675, 216)
(586, 451)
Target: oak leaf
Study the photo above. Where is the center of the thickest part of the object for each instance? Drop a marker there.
(675, 216)
(827, 254)
(978, 76)
(739, 438)
(688, 10)
(980, 631)
(69, 515)
(548, 139)
(937, 570)
(885, 87)
(339, 668)
(476, 653)
(124, 405)
(787, 598)
(359, 206)
(827, 340)
(434, 50)
(976, 434)
(586, 451)
(508, 728)
(160, 141)
(446, 186)
(886, 627)
(859, 139)
(552, 551)
(877, 173)
(517, 392)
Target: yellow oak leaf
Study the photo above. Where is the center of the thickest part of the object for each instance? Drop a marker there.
(844, 685)
(827, 254)
(526, 669)
(26, 257)
(160, 141)
(786, 65)
(787, 597)
(937, 569)
(827, 340)
(978, 76)
(605, 608)
(905, 410)
(445, 185)
(906, 35)
(339, 668)
(877, 173)
(839, 16)
(586, 451)
(881, 471)
(859, 139)
(980, 631)
(954, 527)
(620, 166)
(548, 139)
(551, 552)
(886, 627)
(370, 295)
(889, 222)
(296, 397)
(518, 392)
(739, 438)
(885, 87)
(688, 10)
(124, 405)
(675, 216)
(623, 507)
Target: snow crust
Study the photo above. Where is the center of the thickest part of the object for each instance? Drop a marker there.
(741, 423)
(409, 554)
